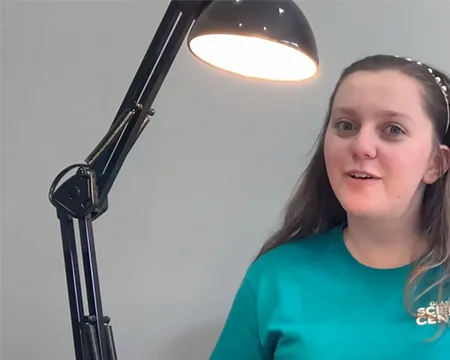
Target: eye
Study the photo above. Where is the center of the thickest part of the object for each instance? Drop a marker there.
(344, 125)
(394, 130)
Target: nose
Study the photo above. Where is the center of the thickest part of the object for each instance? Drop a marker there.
(363, 144)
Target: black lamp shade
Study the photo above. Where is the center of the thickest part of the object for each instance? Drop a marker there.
(267, 39)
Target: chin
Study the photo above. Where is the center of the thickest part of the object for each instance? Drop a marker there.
(363, 207)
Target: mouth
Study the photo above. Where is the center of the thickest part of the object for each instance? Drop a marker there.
(362, 176)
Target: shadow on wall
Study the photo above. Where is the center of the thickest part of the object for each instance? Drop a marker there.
(196, 344)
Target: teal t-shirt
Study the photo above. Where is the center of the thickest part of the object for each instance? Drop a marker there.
(311, 300)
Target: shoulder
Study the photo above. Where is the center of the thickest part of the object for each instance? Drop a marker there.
(297, 257)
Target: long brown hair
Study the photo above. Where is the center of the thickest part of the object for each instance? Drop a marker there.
(314, 208)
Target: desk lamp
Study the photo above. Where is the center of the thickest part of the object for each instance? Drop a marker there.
(262, 39)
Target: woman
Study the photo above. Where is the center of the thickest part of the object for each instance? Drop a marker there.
(360, 267)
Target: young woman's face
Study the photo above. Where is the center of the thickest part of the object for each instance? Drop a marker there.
(379, 145)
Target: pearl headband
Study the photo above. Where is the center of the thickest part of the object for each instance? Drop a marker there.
(443, 89)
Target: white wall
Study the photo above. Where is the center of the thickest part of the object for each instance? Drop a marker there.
(200, 191)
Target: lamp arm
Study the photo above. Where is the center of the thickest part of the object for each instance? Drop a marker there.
(135, 110)
(84, 195)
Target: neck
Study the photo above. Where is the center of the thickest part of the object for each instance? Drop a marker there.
(384, 243)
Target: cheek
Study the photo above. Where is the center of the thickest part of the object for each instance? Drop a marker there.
(403, 172)
(404, 167)
(335, 151)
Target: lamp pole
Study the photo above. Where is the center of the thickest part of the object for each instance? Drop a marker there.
(84, 195)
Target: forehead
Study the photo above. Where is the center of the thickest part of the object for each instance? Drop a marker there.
(381, 90)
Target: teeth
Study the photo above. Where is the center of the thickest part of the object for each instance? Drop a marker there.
(361, 176)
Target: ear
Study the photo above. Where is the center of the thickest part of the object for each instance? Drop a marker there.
(439, 165)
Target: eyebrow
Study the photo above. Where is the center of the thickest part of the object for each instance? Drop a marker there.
(392, 113)
(344, 110)
(383, 113)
